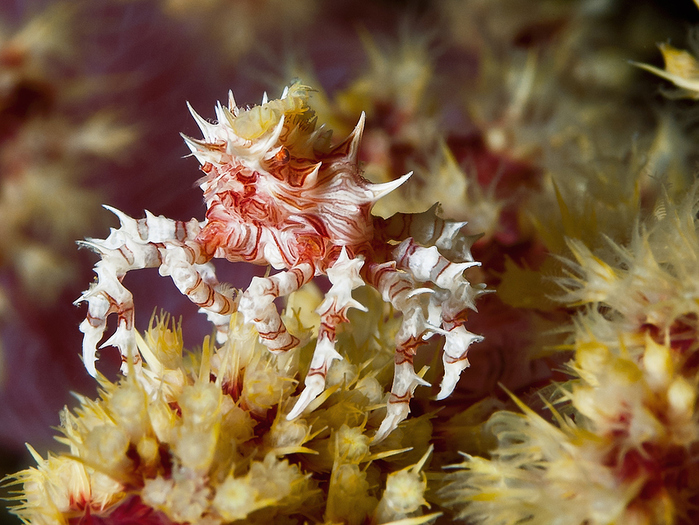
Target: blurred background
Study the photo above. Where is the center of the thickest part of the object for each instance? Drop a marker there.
(486, 100)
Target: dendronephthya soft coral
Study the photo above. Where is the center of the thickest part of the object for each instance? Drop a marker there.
(202, 437)
(626, 452)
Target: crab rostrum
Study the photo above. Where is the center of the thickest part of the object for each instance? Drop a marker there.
(279, 193)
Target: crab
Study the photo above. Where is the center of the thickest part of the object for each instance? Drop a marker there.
(279, 193)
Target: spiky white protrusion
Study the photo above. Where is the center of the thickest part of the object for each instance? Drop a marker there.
(405, 381)
(381, 190)
(153, 242)
(231, 101)
(206, 127)
(456, 345)
(270, 142)
(344, 276)
(355, 139)
(257, 305)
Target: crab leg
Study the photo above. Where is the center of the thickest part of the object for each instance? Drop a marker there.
(344, 276)
(257, 305)
(428, 229)
(448, 305)
(153, 242)
(401, 291)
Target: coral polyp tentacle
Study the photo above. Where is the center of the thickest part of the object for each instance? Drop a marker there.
(278, 193)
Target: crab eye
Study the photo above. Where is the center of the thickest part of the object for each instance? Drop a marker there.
(282, 156)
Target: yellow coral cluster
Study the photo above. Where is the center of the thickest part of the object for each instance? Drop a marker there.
(198, 438)
(623, 453)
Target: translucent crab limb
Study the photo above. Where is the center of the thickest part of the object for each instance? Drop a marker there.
(448, 304)
(428, 264)
(455, 357)
(344, 276)
(401, 291)
(153, 242)
(428, 229)
(257, 305)
(219, 318)
(106, 296)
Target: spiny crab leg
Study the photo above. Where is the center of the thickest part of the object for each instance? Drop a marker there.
(446, 309)
(257, 305)
(428, 229)
(223, 304)
(344, 276)
(401, 291)
(153, 242)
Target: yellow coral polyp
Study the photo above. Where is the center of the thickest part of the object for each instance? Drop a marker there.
(287, 437)
(194, 448)
(129, 408)
(404, 493)
(183, 498)
(268, 483)
(658, 364)
(164, 337)
(106, 447)
(348, 495)
(597, 279)
(200, 404)
(258, 120)
(61, 485)
(235, 499)
(351, 445)
(681, 402)
(263, 388)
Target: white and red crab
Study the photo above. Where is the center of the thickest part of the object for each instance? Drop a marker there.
(279, 193)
